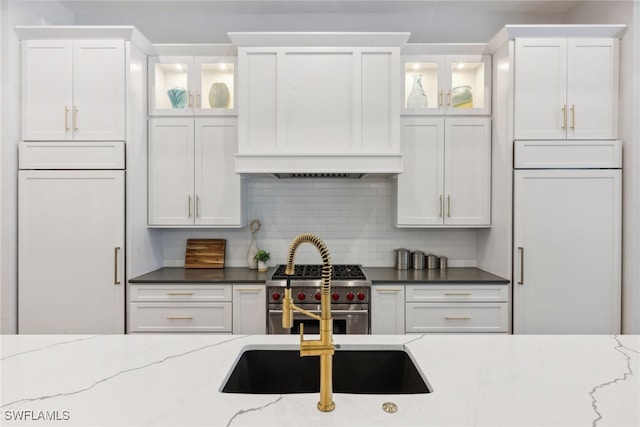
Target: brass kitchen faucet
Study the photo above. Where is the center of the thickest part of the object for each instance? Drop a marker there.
(324, 347)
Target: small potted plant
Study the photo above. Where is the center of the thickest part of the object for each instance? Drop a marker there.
(262, 257)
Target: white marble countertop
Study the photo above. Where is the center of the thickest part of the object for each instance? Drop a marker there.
(174, 380)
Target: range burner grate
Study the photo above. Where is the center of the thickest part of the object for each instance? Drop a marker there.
(314, 272)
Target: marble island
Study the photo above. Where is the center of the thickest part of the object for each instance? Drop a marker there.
(174, 380)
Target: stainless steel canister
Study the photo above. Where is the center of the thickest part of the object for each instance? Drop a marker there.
(403, 259)
(418, 260)
(443, 262)
(432, 261)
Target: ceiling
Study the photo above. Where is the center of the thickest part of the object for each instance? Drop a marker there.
(428, 21)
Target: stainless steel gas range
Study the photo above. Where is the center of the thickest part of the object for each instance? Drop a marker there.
(350, 299)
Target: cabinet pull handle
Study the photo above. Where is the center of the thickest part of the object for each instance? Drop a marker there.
(248, 289)
(573, 117)
(449, 98)
(179, 318)
(387, 289)
(449, 206)
(179, 293)
(116, 273)
(66, 118)
(564, 117)
(521, 280)
(457, 318)
(198, 99)
(190, 103)
(75, 119)
(189, 204)
(197, 206)
(441, 97)
(440, 208)
(458, 294)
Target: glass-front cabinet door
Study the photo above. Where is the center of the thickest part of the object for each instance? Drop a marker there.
(188, 86)
(447, 84)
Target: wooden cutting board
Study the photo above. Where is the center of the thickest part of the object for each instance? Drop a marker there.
(205, 253)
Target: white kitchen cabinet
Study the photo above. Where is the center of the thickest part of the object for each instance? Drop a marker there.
(387, 309)
(566, 88)
(453, 84)
(249, 309)
(457, 307)
(191, 173)
(567, 241)
(208, 83)
(318, 100)
(170, 307)
(447, 172)
(71, 251)
(73, 90)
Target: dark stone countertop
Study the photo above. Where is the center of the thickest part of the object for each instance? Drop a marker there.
(375, 274)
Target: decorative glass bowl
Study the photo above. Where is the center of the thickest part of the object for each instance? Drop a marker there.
(178, 97)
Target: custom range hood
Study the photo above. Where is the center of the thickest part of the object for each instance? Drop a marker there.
(318, 105)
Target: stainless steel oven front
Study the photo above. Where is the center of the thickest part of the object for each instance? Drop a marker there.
(347, 319)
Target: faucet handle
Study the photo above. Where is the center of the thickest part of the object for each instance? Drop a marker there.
(301, 334)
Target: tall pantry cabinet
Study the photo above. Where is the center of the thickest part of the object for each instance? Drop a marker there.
(77, 95)
(567, 182)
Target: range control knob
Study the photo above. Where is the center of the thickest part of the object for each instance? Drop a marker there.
(301, 296)
(361, 295)
(318, 296)
(335, 296)
(350, 296)
(275, 296)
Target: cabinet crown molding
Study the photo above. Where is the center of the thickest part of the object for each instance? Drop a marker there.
(318, 39)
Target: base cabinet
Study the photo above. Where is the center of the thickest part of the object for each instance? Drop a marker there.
(212, 308)
(180, 308)
(387, 309)
(457, 308)
(249, 309)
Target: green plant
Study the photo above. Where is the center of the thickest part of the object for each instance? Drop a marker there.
(262, 255)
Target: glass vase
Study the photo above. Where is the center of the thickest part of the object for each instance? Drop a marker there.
(417, 97)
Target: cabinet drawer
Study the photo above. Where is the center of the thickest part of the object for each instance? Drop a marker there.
(170, 292)
(448, 317)
(567, 154)
(71, 155)
(181, 317)
(457, 293)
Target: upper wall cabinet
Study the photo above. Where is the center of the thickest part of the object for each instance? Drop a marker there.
(566, 88)
(188, 86)
(452, 84)
(73, 90)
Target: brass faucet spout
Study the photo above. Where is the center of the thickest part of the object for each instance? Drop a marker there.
(324, 347)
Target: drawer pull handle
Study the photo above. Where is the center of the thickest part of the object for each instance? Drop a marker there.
(179, 293)
(457, 294)
(457, 318)
(179, 318)
(248, 289)
(387, 289)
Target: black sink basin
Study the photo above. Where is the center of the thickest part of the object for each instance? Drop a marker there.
(271, 371)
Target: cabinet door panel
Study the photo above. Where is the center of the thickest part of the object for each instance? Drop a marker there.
(540, 88)
(171, 180)
(249, 309)
(47, 90)
(567, 251)
(419, 187)
(99, 90)
(71, 277)
(592, 88)
(218, 188)
(467, 171)
(387, 309)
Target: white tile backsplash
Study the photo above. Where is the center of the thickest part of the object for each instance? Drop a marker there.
(352, 217)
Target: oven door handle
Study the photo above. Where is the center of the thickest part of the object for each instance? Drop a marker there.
(332, 311)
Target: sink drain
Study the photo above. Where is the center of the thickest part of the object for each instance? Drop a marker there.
(389, 407)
